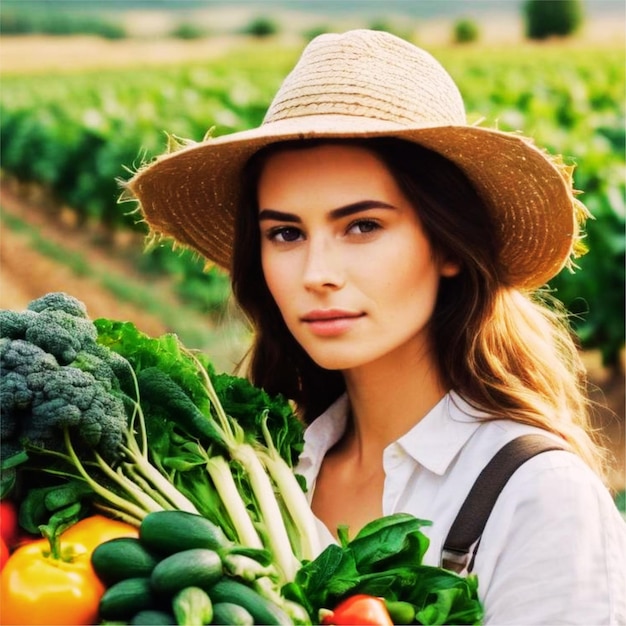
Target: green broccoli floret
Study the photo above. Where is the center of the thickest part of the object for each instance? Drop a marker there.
(59, 301)
(39, 398)
(110, 368)
(57, 323)
(75, 399)
(55, 376)
(61, 334)
(13, 324)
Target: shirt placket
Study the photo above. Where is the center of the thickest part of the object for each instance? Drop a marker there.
(398, 467)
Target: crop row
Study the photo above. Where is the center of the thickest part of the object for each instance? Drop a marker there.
(77, 134)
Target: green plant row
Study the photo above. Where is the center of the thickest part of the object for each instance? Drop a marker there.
(77, 133)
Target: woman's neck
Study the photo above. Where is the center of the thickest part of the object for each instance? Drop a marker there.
(390, 396)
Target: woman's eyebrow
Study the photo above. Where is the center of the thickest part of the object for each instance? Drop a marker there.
(279, 216)
(338, 213)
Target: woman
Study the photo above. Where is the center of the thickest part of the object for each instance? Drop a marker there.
(390, 259)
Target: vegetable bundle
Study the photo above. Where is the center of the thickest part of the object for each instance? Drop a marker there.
(99, 417)
(99, 414)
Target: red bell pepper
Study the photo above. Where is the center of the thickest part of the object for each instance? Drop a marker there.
(9, 530)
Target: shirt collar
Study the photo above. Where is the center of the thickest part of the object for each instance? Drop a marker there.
(321, 435)
(433, 442)
(436, 440)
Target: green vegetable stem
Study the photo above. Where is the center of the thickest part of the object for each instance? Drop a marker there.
(231, 468)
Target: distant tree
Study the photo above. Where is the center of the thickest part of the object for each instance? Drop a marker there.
(466, 31)
(546, 18)
(261, 27)
(381, 24)
(187, 30)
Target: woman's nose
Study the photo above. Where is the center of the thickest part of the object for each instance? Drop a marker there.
(323, 268)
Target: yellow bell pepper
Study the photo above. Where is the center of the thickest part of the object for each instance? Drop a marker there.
(51, 581)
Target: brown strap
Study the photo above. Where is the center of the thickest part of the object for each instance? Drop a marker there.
(459, 549)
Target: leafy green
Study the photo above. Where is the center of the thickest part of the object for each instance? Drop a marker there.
(248, 405)
(385, 560)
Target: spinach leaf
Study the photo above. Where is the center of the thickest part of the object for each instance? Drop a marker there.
(390, 541)
(385, 560)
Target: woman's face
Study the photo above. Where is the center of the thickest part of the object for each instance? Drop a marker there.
(344, 255)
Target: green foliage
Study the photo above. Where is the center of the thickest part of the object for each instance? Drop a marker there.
(315, 31)
(261, 27)
(466, 31)
(546, 18)
(39, 20)
(558, 97)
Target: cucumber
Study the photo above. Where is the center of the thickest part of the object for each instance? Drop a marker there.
(168, 532)
(263, 611)
(229, 614)
(197, 567)
(192, 607)
(126, 598)
(121, 558)
(152, 617)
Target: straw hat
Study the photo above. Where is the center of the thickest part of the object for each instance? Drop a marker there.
(364, 84)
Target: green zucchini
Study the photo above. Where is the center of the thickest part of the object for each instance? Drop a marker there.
(197, 567)
(121, 558)
(152, 617)
(126, 598)
(168, 532)
(263, 611)
(230, 614)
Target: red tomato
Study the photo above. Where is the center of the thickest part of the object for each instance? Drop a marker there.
(359, 609)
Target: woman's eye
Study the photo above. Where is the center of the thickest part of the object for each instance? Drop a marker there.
(363, 227)
(285, 234)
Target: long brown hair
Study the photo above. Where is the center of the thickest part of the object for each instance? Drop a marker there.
(509, 353)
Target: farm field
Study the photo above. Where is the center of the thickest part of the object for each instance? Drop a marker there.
(74, 119)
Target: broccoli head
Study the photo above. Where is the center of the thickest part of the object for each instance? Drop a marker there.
(55, 376)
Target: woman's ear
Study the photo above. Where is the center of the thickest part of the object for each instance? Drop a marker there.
(449, 267)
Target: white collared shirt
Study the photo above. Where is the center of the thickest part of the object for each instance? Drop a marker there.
(554, 548)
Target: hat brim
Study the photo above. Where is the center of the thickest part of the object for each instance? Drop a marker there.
(192, 195)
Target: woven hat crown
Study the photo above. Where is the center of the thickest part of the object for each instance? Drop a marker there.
(369, 74)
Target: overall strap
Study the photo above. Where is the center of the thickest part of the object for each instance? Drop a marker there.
(459, 549)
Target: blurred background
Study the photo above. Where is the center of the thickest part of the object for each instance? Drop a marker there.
(91, 89)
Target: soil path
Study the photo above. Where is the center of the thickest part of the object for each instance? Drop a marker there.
(27, 273)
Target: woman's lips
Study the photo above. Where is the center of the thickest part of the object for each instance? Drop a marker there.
(330, 322)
